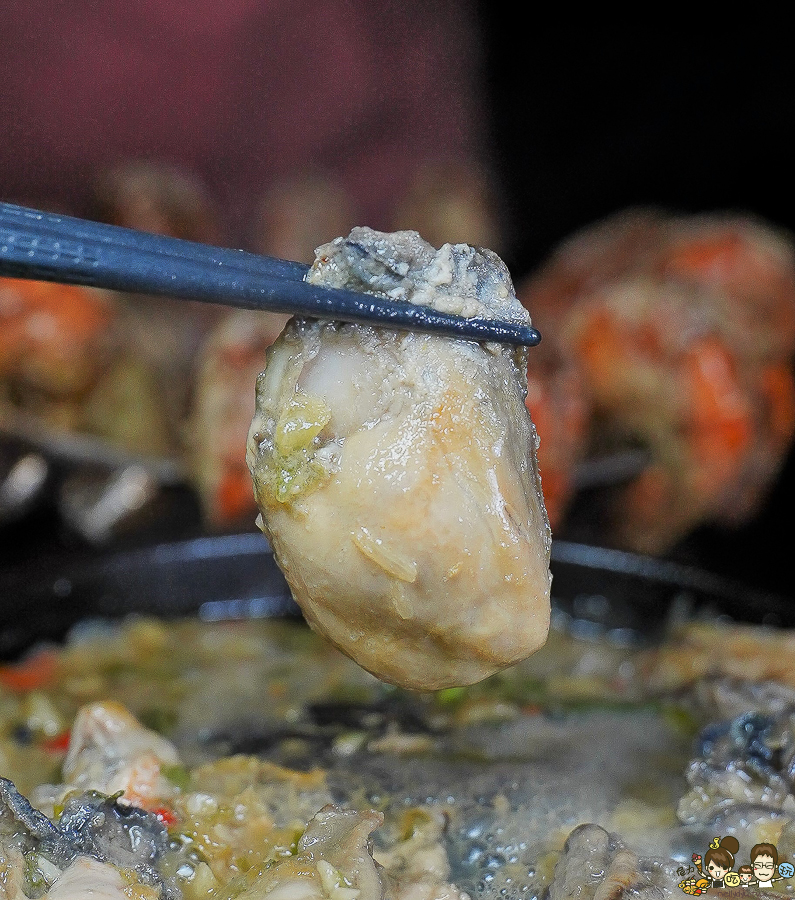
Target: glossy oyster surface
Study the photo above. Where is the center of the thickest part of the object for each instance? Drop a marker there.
(396, 472)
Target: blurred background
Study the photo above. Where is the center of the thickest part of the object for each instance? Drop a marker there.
(638, 193)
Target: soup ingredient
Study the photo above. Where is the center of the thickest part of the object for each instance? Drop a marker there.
(396, 472)
(595, 864)
(238, 826)
(110, 751)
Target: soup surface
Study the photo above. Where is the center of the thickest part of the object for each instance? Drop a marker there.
(198, 759)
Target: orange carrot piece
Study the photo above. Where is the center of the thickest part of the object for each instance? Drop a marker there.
(30, 674)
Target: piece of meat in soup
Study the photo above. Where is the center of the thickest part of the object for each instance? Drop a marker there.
(396, 471)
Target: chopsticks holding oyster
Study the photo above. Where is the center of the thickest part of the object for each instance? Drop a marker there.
(49, 247)
(392, 453)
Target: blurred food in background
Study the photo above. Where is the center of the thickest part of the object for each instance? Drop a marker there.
(682, 329)
(667, 336)
(451, 201)
(298, 213)
(164, 334)
(168, 380)
(559, 406)
(53, 342)
(66, 360)
(158, 198)
(270, 127)
(99, 382)
(221, 414)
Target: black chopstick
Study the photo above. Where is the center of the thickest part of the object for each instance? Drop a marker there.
(51, 247)
(33, 222)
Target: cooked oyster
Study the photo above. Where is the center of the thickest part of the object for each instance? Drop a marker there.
(396, 472)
